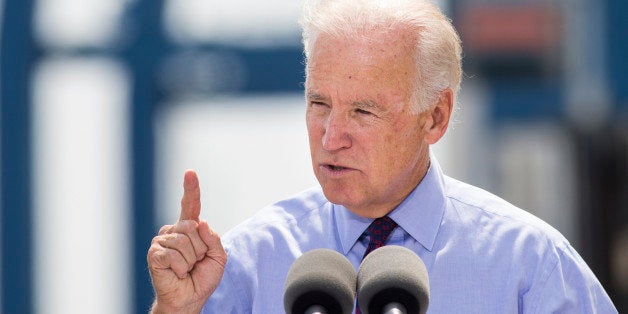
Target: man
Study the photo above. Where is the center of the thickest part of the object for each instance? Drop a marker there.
(381, 81)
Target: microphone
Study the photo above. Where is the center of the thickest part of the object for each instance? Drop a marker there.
(393, 280)
(321, 281)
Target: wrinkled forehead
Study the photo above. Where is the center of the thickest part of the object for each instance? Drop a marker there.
(371, 69)
(371, 46)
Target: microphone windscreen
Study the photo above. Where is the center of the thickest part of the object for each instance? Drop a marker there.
(393, 274)
(320, 277)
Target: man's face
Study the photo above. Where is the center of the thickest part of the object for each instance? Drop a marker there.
(367, 146)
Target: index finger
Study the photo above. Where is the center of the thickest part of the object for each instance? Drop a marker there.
(191, 200)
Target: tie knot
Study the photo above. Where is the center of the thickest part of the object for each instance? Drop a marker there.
(378, 232)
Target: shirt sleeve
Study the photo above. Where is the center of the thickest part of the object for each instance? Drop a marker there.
(570, 287)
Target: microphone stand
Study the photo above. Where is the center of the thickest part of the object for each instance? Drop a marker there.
(394, 308)
(316, 309)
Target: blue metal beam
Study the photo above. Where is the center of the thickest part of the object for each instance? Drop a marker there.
(616, 51)
(17, 55)
(143, 56)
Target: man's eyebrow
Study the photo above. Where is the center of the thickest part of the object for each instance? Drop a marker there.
(315, 96)
(368, 104)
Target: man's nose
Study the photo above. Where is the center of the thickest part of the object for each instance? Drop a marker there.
(336, 134)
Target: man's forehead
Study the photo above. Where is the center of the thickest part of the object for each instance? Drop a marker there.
(329, 54)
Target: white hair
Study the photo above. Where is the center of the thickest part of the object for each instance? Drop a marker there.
(437, 48)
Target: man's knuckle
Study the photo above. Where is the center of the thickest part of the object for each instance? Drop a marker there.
(157, 240)
(164, 229)
(180, 240)
(188, 226)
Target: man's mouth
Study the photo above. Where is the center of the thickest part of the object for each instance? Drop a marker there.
(335, 167)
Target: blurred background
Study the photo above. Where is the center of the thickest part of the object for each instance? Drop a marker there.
(104, 104)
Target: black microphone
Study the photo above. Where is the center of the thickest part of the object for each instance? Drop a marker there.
(393, 279)
(320, 281)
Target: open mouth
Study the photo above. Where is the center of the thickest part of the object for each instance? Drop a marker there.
(335, 168)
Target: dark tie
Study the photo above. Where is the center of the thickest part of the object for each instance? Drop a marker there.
(378, 232)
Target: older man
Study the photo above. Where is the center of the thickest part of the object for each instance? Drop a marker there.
(382, 77)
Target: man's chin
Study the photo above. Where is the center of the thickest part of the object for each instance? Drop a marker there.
(338, 195)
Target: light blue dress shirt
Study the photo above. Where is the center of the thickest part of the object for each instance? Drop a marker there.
(483, 255)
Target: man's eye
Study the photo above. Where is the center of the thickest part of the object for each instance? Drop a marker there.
(362, 111)
(318, 104)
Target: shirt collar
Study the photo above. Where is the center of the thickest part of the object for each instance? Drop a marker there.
(419, 215)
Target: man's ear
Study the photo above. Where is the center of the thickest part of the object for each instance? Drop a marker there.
(437, 118)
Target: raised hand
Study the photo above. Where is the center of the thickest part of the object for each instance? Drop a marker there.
(186, 260)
